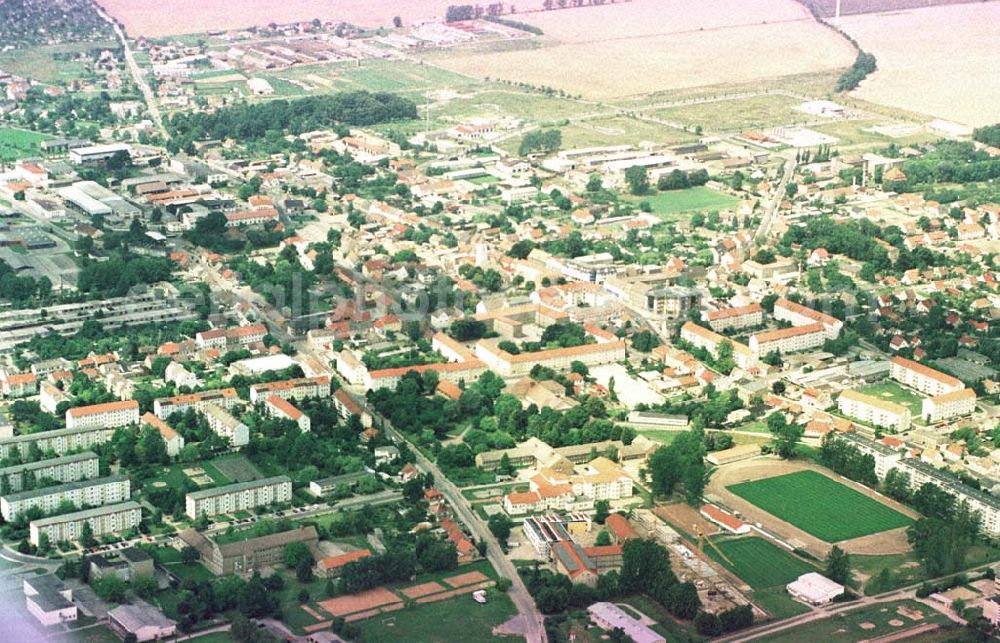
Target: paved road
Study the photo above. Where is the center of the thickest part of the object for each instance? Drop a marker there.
(138, 76)
(771, 212)
(531, 617)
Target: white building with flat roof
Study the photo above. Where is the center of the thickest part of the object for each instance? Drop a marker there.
(109, 519)
(814, 589)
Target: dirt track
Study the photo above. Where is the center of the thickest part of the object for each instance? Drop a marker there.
(889, 542)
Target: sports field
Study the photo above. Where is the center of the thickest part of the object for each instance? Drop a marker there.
(676, 202)
(767, 569)
(19, 143)
(761, 563)
(820, 506)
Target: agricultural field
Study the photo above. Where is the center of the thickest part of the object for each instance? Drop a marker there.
(893, 392)
(870, 622)
(155, 18)
(672, 203)
(19, 143)
(820, 506)
(767, 569)
(646, 46)
(921, 69)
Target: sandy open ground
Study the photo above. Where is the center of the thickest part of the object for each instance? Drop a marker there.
(943, 61)
(352, 603)
(173, 17)
(644, 46)
(887, 542)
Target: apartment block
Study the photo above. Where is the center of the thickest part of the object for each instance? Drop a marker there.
(560, 359)
(296, 389)
(225, 398)
(239, 336)
(735, 318)
(111, 414)
(281, 408)
(60, 441)
(923, 378)
(789, 340)
(874, 411)
(988, 506)
(109, 519)
(799, 315)
(243, 496)
(949, 405)
(82, 493)
(171, 438)
(710, 341)
(227, 426)
(70, 468)
(886, 458)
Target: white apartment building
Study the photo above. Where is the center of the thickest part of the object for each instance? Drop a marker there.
(227, 426)
(789, 340)
(70, 468)
(109, 519)
(886, 458)
(943, 407)
(243, 496)
(292, 389)
(109, 415)
(923, 378)
(351, 368)
(988, 506)
(874, 411)
(799, 315)
(225, 398)
(59, 441)
(735, 318)
(82, 493)
(173, 439)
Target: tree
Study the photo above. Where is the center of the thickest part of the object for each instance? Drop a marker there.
(602, 509)
(838, 566)
(637, 179)
(189, 554)
(87, 539)
(144, 586)
(791, 189)
(603, 538)
(397, 22)
(110, 589)
(786, 435)
(500, 525)
(680, 463)
(594, 183)
(254, 600)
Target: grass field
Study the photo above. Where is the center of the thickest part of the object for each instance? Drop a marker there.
(893, 392)
(820, 506)
(620, 130)
(19, 143)
(671, 204)
(846, 626)
(737, 114)
(767, 569)
(38, 63)
(441, 621)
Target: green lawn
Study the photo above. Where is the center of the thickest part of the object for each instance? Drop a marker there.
(820, 506)
(676, 202)
(458, 618)
(846, 627)
(19, 143)
(893, 392)
(767, 569)
(756, 112)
